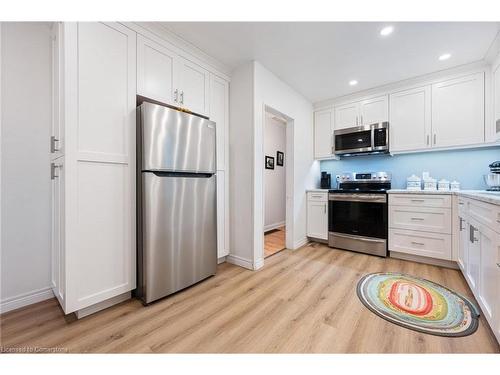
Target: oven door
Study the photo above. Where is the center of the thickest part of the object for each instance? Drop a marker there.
(358, 214)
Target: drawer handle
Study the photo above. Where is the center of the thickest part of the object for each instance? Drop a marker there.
(316, 196)
(417, 218)
(417, 200)
(417, 243)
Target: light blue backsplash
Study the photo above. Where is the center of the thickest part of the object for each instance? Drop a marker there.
(465, 166)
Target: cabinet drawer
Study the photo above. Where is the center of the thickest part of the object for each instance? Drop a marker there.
(436, 220)
(433, 245)
(317, 196)
(421, 200)
(485, 213)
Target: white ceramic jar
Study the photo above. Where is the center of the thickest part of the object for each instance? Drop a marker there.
(455, 185)
(444, 185)
(413, 183)
(430, 184)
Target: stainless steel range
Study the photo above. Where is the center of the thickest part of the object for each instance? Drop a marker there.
(357, 213)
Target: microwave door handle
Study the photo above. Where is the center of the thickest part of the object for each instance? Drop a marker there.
(372, 133)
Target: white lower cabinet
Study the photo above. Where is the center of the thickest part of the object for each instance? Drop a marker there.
(93, 197)
(317, 215)
(420, 224)
(479, 259)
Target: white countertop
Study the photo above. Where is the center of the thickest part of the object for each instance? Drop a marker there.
(481, 195)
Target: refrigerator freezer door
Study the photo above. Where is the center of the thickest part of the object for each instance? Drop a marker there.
(175, 141)
(179, 232)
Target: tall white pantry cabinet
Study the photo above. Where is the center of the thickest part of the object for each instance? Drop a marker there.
(97, 73)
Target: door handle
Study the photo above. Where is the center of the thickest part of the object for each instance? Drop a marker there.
(182, 97)
(53, 168)
(427, 139)
(417, 243)
(324, 208)
(472, 237)
(361, 120)
(53, 147)
(434, 138)
(176, 95)
(356, 120)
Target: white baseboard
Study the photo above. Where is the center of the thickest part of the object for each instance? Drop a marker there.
(239, 261)
(221, 259)
(103, 305)
(26, 299)
(269, 227)
(300, 243)
(259, 263)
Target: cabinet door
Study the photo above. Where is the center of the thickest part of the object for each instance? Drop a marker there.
(194, 84)
(474, 256)
(410, 119)
(219, 112)
(156, 75)
(317, 219)
(374, 110)
(100, 163)
(488, 289)
(458, 111)
(346, 116)
(57, 235)
(462, 245)
(222, 249)
(323, 133)
(57, 129)
(496, 95)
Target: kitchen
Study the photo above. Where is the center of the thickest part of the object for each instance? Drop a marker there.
(145, 192)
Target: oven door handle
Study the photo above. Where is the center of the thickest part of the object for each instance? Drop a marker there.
(377, 198)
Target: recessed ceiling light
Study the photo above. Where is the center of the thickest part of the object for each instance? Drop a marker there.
(353, 82)
(444, 56)
(387, 30)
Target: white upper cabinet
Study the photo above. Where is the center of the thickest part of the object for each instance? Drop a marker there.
(410, 119)
(323, 133)
(347, 115)
(156, 76)
(194, 87)
(57, 129)
(364, 112)
(170, 78)
(496, 96)
(458, 111)
(219, 112)
(374, 110)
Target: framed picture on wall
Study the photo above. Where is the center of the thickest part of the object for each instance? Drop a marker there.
(280, 158)
(269, 162)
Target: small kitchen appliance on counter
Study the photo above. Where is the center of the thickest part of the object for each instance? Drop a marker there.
(357, 213)
(326, 181)
(493, 179)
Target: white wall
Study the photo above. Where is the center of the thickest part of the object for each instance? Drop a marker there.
(274, 179)
(25, 180)
(241, 162)
(252, 84)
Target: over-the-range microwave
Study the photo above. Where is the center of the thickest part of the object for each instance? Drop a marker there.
(358, 140)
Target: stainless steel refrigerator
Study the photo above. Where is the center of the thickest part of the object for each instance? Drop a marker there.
(176, 186)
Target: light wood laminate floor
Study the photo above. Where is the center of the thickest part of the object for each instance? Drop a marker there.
(274, 241)
(301, 301)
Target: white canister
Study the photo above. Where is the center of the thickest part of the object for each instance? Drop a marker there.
(443, 184)
(430, 184)
(455, 185)
(413, 183)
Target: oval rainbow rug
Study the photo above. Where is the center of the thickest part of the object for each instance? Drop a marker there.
(418, 304)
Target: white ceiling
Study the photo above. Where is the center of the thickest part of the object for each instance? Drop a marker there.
(318, 59)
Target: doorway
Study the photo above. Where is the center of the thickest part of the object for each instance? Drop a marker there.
(275, 129)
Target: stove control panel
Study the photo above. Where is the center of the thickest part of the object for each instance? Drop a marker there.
(364, 177)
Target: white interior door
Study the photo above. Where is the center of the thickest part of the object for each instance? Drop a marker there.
(323, 133)
(374, 110)
(458, 111)
(346, 116)
(410, 119)
(156, 76)
(194, 87)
